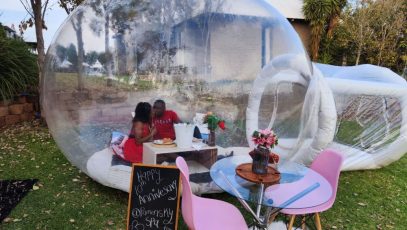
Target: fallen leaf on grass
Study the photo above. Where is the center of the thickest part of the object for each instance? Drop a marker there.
(362, 204)
(7, 219)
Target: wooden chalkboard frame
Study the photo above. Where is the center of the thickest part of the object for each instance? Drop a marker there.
(131, 190)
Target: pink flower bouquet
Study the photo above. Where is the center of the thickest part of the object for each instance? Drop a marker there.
(266, 138)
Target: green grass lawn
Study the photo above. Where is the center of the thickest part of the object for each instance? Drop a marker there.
(68, 199)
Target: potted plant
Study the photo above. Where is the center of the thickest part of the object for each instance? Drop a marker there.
(213, 122)
(264, 140)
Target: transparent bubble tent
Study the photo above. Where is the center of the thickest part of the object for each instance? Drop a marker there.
(240, 59)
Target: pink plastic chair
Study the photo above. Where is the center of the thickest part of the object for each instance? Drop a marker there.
(202, 213)
(328, 164)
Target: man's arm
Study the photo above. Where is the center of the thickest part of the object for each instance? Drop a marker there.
(175, 118)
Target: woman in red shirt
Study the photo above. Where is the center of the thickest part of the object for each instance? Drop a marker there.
(141, 131)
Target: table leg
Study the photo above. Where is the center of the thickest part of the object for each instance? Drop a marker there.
(264, 220)
(261, 222)
(241, 200)
(260, 201)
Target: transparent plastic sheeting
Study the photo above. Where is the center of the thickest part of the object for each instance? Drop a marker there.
(371, 107)
(240, 59)
(359, 111)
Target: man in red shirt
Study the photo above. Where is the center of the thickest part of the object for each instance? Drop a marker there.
(164, 120)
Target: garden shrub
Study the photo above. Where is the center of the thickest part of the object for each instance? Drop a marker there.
(18, 67)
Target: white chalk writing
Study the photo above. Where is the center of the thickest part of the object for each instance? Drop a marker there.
(170, 190)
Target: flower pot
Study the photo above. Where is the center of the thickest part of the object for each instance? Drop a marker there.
(211, 138)
(260, 160)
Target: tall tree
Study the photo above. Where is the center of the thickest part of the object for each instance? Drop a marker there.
(36, 9)
(336, 9)
(359, 27)
(103, 8)
(69, 6)
(372, 31)
(389, 23)
(316, 12)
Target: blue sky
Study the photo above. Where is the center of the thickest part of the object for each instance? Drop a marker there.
(12, 12)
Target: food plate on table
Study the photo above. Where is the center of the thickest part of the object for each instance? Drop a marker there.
(165, 141)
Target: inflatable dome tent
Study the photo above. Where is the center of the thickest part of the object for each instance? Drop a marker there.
(240, 59)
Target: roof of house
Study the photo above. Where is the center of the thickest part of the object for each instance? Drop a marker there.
(8, 29)
(65, 64)
(32, 44)
(97, 65)
(289, 8)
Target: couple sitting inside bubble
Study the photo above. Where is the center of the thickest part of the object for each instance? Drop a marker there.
(149, 123)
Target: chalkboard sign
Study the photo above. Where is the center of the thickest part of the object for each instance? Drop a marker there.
(153, 198)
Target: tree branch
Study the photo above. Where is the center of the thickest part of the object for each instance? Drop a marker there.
(44, 9)
(64, 6)
(74, 26)
(26, 7)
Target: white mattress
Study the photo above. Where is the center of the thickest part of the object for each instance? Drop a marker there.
(118, 176)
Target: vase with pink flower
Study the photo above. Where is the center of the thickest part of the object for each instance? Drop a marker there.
(264, 140)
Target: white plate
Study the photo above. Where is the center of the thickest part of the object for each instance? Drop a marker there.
(160, 142)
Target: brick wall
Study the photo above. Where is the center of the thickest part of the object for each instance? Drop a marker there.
(17, 111)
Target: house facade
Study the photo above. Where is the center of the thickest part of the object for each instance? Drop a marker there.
(12, 34)
(232, 46)
(209, 43)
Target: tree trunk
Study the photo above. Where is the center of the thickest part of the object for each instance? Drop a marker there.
(39, 22)
(331, 26)
(344, 60)
(121, 52)
(382, 43)
(359, 52)
(360, 44)
(79, 38)
(316, 33)
(107, 52)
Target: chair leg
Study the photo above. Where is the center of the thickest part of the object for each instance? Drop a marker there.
(303, 222)
(290, 225)
(272, 218)
(318, 221)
